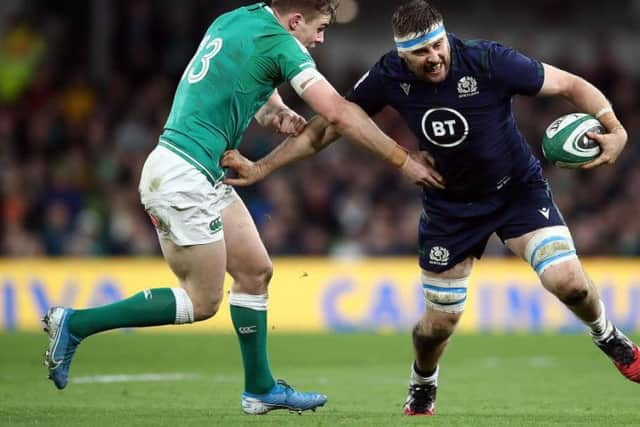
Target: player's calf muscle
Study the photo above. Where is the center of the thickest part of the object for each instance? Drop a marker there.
(206, 306)
(435, 335)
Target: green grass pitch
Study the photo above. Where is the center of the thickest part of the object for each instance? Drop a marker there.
(506, 380)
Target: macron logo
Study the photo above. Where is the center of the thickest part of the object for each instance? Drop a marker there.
(406, 88)
(246, 330)
(544, 212)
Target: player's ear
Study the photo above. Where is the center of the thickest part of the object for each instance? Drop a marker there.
(294, 20)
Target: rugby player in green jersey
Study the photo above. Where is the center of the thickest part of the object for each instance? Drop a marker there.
(204, 228)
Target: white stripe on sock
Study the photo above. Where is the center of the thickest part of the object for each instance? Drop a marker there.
(600, 327)
(253, 302)
(417, 379)
(184, 306)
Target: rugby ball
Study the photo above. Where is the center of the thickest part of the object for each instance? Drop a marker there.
(565, 142)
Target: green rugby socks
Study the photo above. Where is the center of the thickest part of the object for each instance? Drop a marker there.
(249, 317)
(152, 307)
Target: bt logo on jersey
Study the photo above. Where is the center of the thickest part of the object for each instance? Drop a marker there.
(444, 127)
(439, 127)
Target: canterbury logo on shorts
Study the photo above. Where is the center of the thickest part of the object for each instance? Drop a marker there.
(216, 225)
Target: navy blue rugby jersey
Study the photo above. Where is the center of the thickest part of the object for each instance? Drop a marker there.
(466, 121)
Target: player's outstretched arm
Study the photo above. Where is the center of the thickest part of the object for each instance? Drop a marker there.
(275, 113)
(588, 99)
(351, 121)
(317, 135)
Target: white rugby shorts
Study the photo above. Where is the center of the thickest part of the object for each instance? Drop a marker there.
(183, 205)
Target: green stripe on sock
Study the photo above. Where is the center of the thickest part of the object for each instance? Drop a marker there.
(152, 307)
(251, 328)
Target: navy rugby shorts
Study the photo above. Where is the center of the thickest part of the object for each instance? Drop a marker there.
(449, 232)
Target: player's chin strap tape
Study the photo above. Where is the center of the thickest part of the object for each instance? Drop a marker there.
(448, 295)
(549, 246)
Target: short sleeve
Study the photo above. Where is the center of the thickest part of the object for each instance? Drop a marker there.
(515, 72)
(292, 58)
(368, 92)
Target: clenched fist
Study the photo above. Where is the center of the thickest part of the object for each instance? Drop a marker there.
(248, 171)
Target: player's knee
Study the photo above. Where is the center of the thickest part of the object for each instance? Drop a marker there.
(265, 273)
(255, 280)
(567, 282)
(570, 289)
(574, 296)
(445, 295)
(261, 276)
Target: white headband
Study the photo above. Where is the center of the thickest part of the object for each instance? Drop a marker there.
(417, 40)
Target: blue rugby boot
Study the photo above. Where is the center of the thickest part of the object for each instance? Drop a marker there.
(281, 396)
(62, 345)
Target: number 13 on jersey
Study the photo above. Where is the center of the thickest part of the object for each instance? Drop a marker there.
(199, 64)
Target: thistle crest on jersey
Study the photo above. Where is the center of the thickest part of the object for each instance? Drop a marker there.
(467, 86)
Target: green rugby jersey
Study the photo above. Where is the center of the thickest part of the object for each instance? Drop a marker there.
(244, 55)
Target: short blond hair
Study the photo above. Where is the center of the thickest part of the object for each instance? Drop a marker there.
(309, 8)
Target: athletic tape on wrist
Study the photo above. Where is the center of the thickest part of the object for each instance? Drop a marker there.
(398, 156)
(603, 111)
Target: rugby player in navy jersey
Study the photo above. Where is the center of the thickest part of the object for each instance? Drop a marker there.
(456, 95)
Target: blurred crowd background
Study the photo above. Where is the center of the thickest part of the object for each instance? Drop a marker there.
(86, 86)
